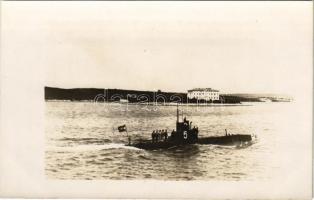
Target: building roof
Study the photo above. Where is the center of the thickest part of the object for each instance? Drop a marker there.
(203, 90)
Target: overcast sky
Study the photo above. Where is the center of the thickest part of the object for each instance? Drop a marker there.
(172, 46)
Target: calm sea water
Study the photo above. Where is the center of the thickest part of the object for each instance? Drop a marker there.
(82, 142)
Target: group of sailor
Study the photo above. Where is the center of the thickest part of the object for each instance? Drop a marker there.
(158, 135)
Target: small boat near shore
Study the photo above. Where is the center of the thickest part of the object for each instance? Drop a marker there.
(185, 134)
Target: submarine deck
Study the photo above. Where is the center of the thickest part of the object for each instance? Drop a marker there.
(218, 140)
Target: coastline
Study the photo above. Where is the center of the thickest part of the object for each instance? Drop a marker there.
(158, 104)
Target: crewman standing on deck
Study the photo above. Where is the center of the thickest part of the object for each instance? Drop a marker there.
(158, 135)
(153, 136)
(166, 135)
(172, 133)
(162, 134)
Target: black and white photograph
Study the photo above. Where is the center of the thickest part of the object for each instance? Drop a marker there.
(165, 92)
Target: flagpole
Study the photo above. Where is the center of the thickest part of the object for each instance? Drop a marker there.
(124, 128)
(127, 134)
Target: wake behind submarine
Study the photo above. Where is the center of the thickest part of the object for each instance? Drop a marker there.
(184, 134)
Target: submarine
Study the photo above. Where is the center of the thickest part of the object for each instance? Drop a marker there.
(185, 134)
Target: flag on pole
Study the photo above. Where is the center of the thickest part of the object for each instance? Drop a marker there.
(122, 128)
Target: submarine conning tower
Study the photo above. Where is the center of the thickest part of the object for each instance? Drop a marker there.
(184, 132)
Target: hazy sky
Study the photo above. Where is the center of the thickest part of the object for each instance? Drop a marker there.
(172, 46)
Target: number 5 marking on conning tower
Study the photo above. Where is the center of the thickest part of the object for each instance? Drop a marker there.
(185, 135)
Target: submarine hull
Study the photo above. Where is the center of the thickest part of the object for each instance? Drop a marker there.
(225, 140)
(154, 145)
(218, 140)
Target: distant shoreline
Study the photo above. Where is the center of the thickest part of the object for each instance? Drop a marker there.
(152, 97)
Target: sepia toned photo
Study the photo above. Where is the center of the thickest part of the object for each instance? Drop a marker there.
(160, 99)
(120, 134)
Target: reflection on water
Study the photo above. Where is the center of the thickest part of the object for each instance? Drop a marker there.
(82, 142)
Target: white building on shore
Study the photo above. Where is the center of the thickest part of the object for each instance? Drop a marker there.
(203, 94)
